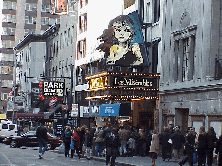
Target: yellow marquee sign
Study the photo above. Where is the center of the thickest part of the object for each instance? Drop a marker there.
(97, 83)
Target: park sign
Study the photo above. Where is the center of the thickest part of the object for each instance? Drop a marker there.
(51, 88)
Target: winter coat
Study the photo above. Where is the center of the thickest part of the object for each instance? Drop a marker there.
(189, 142)
(177, 140)
(67, 136)
(88, 139)
(219, 145)
(211, 141)
(111, 141)
(123, 135)
(99, 136)
(154, 147)
(202, 141)
(76, 139)
(41, 133)
(164, 137)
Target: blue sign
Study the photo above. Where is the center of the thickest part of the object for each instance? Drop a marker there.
(109, 109)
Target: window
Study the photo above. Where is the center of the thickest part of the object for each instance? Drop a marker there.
(57, 20)
(8, 18)
(4, 126)
(156, 10)
(29, 31)
(4, 96)
(8, 44)
(83, 23)
(81, 49)
(11, 127)
(30, 20)
(45, 20)
(30, 6)
(8, 31)
(45, 8)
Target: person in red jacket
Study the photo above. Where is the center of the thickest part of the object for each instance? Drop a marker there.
(76, 139)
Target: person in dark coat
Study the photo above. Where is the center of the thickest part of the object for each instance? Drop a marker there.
(112, 144)
(88, 140)
(142, 143)
(67, 140)
(211, 143)
(219, 150)
(164, 137)
(76, 139)
(201, 146)
(81, 132)
(177, 141)
(41, 134)
(189, 147)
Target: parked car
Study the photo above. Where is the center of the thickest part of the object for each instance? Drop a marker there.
(7, 129)
(30, 139)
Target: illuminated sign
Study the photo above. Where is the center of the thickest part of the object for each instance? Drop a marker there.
(53, 88)
(124, 40)
(97, 83)
(134, 81)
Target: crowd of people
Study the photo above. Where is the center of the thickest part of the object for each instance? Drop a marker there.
(112, 141)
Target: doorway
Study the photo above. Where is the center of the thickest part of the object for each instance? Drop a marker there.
(181, 118)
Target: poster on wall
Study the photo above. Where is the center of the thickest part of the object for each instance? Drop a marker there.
(74, 111)
(123, 42)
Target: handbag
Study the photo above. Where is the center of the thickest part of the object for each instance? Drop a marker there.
(61, 149)
(72, 145)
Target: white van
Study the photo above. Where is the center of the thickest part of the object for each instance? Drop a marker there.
(7, 128)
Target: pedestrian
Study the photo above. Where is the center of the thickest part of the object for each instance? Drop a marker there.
(67, 140)
(201, 141)
(131, 146)
(41, 134)
(112, 143)
(123, 136)
(81, 134)
(25, 130)
(177, 142)
(164, 137)
(189, 147)
(142, 143)
(219, 150)
(99, 141)
(154, 147)
(88, 138)
(211, 144)
(76, 138)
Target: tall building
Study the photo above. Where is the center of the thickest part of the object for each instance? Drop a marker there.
(190, 81)
(20, 18)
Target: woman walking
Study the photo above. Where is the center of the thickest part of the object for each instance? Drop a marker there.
(211, 143)
(201, 141)
(154, 147)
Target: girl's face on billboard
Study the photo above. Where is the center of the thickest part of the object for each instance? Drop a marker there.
(122, 31)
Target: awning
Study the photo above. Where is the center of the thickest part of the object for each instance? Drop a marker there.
(29, 116)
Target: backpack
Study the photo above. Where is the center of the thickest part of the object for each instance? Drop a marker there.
(68, 134)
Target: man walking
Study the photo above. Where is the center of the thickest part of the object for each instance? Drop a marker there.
(42, 136)
(112, 144)
(189, 147)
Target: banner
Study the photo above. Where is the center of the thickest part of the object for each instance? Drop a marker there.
(74, 111)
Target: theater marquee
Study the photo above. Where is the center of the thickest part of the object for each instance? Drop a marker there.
(123, 86)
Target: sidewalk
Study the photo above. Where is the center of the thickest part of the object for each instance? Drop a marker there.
(137, 161)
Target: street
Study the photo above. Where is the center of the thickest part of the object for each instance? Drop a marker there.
(28, 156)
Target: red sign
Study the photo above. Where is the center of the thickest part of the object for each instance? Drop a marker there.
(64, 107)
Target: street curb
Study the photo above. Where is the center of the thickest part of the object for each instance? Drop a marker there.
(101, 160)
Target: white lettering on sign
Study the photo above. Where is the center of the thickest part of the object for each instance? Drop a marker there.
(95, 109)
(86, 110)
(109, 110)
(53, 88)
